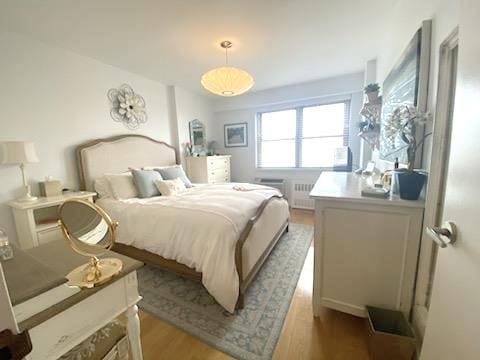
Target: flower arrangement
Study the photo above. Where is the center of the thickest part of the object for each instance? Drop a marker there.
(402, 123)
(188, 149)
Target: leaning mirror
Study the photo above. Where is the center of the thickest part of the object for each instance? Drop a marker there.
(91, 233)
(197, 136)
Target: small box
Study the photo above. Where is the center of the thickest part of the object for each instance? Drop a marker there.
(50, 188)
(390, 335)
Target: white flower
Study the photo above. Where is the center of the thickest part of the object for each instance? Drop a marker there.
(402, 122)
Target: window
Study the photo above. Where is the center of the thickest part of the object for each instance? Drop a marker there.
(303, 137)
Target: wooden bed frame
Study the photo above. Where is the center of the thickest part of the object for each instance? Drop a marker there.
(172, 265)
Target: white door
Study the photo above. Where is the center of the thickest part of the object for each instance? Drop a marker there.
(453, 326)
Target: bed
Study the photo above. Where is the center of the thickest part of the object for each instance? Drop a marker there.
(217, 234)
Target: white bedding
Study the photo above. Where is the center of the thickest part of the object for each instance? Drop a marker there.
(198, 228)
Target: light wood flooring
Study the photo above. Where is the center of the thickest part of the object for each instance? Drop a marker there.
(332, 336)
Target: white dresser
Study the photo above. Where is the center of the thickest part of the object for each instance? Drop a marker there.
(366, 249)
(208, 169)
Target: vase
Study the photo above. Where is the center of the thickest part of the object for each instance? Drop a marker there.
(372, 97)
(410, 184)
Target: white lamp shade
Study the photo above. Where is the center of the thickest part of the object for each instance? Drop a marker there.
(227, 81)
(18, 152)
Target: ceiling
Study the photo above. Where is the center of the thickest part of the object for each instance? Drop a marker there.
(279, 42)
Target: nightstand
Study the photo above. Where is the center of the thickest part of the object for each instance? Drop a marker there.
(37, 221)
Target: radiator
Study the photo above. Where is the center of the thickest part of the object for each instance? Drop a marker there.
(275, 183)
(299, 195)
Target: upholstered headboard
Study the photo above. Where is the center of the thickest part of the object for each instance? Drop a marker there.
(117, 154)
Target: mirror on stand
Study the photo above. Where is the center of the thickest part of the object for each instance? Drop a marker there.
(91, 233)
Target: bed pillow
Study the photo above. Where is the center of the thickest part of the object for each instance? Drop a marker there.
(122, 186)
(144, 181)
(157, 167)
(175, 172)
(170, 187)
(102, 188)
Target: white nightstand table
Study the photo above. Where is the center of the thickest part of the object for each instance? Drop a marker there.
(37, 221)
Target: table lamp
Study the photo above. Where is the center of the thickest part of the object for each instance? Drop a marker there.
(19, 152)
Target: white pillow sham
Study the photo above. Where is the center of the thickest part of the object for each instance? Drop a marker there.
(122, 186)
(102, 188)
(170, 187)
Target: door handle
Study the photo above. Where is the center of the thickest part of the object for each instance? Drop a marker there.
(443, 236)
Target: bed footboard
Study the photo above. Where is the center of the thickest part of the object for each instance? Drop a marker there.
(246, 279)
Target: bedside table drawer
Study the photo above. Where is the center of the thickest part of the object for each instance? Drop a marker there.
(45, 236)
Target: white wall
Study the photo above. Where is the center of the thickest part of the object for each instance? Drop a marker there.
(58, 99)
(245, 107)
(190, 106)
(405, 19)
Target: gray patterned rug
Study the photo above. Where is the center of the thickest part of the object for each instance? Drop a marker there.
(250, 333)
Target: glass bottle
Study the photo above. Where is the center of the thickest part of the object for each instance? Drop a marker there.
(6, 251)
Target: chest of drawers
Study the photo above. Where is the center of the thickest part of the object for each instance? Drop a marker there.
(366, 249)
(209, 169)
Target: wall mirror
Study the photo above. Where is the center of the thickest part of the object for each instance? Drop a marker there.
(197, 136)
(91, 233)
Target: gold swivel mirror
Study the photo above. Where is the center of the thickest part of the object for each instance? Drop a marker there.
(90, 232)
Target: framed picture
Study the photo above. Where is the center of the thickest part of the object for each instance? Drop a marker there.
(406, 84)
(236, 135)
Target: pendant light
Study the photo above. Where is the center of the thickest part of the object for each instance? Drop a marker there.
(227, 80)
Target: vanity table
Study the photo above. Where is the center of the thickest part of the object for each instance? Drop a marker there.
(365, 249)
(58, 317)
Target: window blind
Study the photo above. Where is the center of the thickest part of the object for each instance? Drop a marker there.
(302, 137)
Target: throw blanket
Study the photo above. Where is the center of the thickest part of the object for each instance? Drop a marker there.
(198, 228)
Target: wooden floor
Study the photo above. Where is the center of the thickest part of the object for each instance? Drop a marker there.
(332, 336)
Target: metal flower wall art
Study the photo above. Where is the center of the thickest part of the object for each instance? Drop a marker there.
(127, 107)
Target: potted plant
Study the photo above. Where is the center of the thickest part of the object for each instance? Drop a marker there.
(371, 90)
(403, 124)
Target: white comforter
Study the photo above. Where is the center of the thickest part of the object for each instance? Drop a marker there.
(198, 228)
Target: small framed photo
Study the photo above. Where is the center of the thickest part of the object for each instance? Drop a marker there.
(236, 135)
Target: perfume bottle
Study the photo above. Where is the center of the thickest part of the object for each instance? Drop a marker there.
(6, 251)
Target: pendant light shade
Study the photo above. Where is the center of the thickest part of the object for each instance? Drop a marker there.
(227, 80)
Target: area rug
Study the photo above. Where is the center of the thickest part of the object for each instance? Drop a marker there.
(250, 333)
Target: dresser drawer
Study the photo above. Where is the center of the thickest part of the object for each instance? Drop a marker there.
(219, 176)
(218, 163)
(67, 329)
(51, 234)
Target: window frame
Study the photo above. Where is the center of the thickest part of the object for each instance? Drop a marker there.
(298, 135)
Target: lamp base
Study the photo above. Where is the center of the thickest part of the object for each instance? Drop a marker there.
(27, 197)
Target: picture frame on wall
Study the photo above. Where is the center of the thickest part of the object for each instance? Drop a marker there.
(236, 135)
(406, 84)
